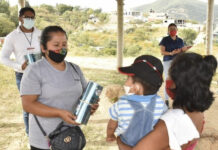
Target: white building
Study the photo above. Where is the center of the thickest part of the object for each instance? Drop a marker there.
(156, 16)
(93, 19)
(130, 15)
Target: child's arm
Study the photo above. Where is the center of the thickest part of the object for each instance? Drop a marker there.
(111, 127)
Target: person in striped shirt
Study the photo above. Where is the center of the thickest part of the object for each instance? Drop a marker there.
(135, 113)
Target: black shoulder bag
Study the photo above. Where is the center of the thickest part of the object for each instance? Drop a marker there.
(65, 137)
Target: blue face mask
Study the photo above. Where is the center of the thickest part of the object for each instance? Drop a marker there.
(28, 23)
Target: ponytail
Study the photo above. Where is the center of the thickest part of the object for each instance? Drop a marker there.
(192, 75)
(211, 62)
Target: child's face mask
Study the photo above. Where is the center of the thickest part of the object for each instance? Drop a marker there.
(127, 90)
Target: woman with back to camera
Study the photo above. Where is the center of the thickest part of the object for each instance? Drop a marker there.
(178, 128)
(51, 88)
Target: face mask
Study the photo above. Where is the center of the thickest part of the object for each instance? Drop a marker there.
(169, 84)
(127, 89)
(173, 32)
(57, 56)
(28, 23)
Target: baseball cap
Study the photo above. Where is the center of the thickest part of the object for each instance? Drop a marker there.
(146, 67)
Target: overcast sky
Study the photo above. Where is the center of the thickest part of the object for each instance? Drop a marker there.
(105, 5)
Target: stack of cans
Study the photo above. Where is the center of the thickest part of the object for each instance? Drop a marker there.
(89, 97)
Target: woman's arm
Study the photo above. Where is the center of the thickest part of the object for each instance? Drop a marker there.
(156, 140)
(164, 52)
(185, 48)
(31, 105)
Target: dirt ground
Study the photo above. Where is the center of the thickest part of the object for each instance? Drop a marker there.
(209, 138)
(12, 129)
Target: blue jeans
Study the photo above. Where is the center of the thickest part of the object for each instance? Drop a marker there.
(166, 65)
(25, 114)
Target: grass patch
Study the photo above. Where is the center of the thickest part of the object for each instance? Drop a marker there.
(103, 77)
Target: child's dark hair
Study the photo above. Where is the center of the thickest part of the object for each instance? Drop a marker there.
(25, 9)
(148, 88)
(192, 75)
(172, 24)
(46, 35)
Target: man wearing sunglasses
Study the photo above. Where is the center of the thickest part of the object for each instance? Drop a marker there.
(23, 40)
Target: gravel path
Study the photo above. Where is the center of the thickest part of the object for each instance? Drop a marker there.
(108, 63)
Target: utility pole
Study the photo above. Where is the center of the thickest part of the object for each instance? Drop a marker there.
(210, 20)
(120, 39)
(21, 4)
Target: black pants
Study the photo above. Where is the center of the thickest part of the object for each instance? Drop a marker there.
(34, 148)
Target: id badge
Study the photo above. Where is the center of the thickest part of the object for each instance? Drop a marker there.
(30, 49)
(29, 55)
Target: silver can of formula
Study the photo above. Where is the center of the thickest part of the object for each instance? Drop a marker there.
(90, 96)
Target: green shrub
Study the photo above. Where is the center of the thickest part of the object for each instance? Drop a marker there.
(130, 30)
(136, 21)
(110, 43)
(157, 21)
(108, 51)
(6, 25)
(188, 35)
(132, 50)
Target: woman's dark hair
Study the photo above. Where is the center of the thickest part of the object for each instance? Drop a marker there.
(25, 9)
(148, 88)
(192, 75)
(172, 24)
(46, 35)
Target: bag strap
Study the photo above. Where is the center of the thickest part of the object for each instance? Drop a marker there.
(74, 69)
(59, 126)
(40, 127)
(77, 73)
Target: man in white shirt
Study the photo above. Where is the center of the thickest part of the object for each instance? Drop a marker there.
(23, 40)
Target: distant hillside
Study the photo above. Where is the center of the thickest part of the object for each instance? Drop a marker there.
(187, 9)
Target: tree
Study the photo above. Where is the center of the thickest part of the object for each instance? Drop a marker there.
(6, 25)
(62, 8)
(76, 18)
(132, 50)
(14, 15)
(4, 7)
(188, 35)
(97, 11)
(103, 17)
(49, 8)
(89, 11)
(110, 47)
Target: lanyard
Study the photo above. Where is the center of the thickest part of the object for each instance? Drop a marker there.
(29, 41)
